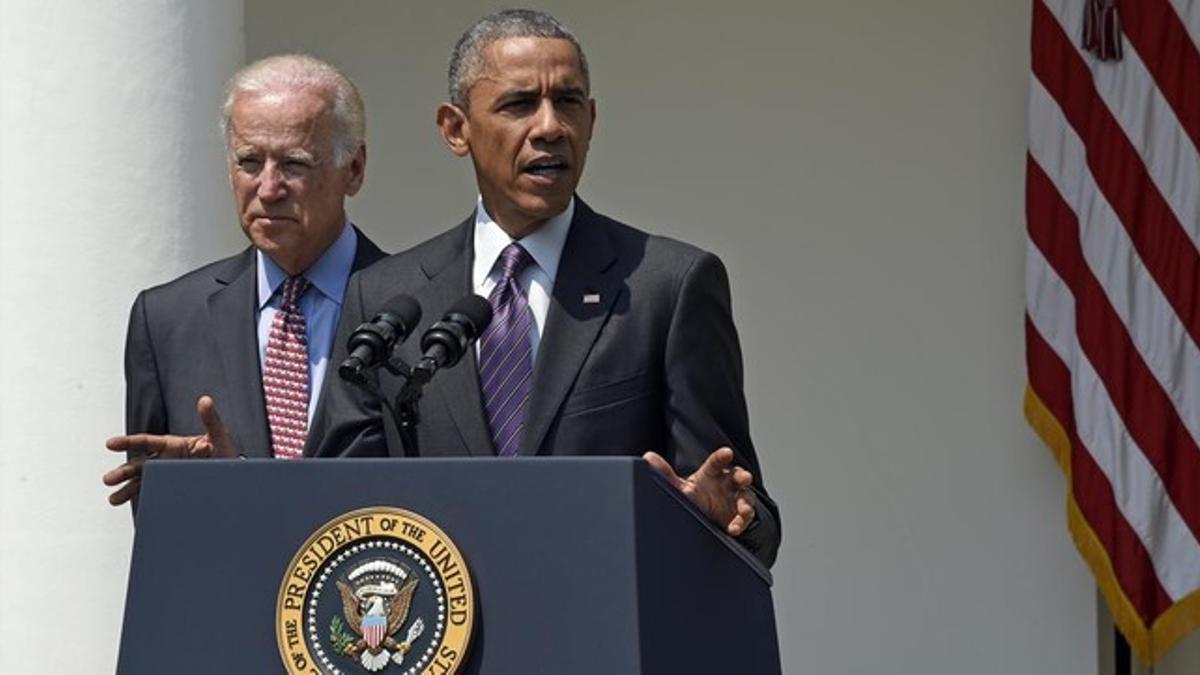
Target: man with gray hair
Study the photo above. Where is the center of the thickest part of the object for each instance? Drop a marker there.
(604, 339)
(255, 331)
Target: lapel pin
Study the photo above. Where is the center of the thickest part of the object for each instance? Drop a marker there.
(591, 298)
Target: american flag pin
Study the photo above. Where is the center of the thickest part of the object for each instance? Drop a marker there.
(591, 298)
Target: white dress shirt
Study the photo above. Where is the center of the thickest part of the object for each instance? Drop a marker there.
(321, 304)
(545, 246)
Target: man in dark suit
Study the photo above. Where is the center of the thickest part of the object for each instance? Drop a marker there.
(605, 339)
(254, 331)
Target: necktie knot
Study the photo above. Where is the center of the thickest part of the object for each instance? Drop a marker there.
(293, 288)
(513, 260)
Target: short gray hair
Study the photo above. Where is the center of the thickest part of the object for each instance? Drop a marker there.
(289, 72)
(467, 58)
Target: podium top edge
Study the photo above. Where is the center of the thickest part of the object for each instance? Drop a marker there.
(636, 465)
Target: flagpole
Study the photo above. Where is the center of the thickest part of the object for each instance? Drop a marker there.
(1122, 662)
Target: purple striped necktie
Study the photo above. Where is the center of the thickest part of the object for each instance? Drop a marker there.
(505, 354)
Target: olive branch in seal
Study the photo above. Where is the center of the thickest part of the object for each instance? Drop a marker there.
(342, 641)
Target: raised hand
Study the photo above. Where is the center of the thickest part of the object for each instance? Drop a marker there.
(216, 441)
(720, 489)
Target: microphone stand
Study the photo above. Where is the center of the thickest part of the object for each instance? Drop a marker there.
(405, 412)
(408, 415)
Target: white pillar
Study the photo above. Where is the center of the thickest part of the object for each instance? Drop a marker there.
(111, 179)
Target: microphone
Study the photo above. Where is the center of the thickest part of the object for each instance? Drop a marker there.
(371, 343)
(444, 344)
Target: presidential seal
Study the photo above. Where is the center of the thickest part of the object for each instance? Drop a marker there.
(376, 590)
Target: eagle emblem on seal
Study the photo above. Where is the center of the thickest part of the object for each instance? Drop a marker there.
(376, 598)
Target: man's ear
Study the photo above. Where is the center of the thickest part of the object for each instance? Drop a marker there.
(456, 130)
(230, 167)
(358, 170)
(592, 110)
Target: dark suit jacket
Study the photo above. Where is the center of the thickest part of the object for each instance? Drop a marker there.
(198, 335)
(654, 365)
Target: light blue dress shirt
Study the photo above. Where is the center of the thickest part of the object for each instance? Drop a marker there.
(321, 304)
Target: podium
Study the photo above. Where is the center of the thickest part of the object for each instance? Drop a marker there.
(580, 566)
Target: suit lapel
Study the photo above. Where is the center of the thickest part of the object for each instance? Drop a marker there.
(449, 274)
(231, 314)
(572, 323)
(366, 253)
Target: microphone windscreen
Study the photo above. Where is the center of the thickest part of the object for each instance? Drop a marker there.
(475, 310)
(405, 308)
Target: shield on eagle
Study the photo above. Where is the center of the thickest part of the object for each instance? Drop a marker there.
(374, 628)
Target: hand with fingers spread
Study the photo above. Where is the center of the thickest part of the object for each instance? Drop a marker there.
(720, 489)
(217, 442)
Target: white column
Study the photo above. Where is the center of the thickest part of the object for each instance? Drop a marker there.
(111, 179)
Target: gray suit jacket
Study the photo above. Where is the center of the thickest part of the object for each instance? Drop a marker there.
(654, 365)
(198, 335)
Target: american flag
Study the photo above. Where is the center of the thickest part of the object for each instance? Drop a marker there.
(1113, 297)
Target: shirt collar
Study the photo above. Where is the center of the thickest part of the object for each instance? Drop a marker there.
(329, 274)
(545, 244)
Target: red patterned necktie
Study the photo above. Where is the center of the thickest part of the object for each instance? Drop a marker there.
(285, 374)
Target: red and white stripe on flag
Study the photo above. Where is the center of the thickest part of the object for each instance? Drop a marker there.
(1113, 301)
